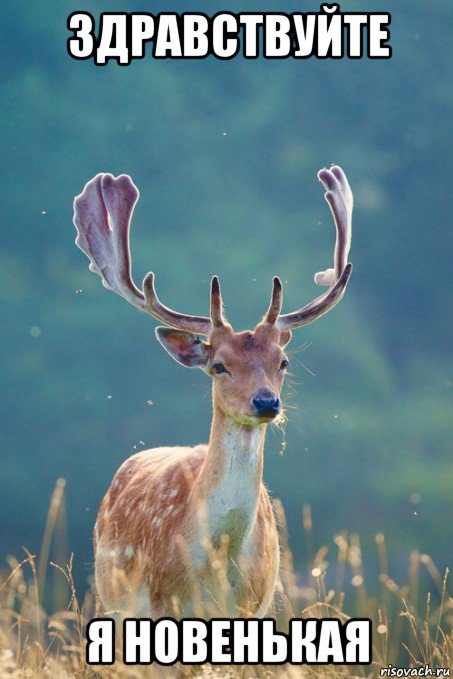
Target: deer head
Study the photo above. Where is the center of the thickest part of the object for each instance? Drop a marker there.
(247, 367)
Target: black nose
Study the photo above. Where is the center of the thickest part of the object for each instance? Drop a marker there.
(265, 402)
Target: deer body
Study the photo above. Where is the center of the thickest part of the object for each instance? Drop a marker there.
(190, 530)
(160, 546)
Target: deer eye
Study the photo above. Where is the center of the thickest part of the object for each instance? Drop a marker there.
(284, 364)
(219, 368)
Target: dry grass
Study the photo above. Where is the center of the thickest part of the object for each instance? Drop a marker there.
(411, 627)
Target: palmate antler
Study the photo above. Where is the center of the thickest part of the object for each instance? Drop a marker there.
(339, 197)
(102, 217)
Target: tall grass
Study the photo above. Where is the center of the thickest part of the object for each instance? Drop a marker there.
(42, 620)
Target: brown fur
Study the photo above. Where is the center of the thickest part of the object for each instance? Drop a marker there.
(151, 530)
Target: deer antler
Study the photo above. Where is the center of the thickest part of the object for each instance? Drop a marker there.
(339, 197)
(102, 217)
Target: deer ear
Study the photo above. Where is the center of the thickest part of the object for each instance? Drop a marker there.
(285, 338)
(185, 347)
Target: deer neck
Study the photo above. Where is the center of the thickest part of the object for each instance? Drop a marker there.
(229, 484)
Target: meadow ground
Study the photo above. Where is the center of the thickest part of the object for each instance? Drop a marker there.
(42, 621)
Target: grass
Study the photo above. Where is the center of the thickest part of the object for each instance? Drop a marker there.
(412, 622)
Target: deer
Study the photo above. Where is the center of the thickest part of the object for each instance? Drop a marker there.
(169, 509)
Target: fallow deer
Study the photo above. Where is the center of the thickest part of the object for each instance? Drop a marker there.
(168, 508)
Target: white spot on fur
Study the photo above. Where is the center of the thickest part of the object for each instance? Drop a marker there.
(173, 493)
(129, 551)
